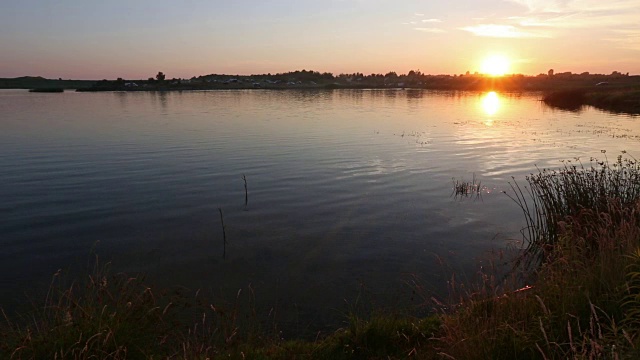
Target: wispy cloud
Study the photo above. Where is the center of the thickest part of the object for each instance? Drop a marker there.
(503, 31)
(563, 6)
(419, 14)
(430, 30)
(551, 18)
(431, 21)
(580, 20)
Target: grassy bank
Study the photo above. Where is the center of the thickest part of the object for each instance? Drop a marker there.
(613, 99)
(574, 294)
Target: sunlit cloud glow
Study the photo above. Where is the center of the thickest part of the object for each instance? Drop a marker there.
(431, 21)
(563, 6)
(503, 31)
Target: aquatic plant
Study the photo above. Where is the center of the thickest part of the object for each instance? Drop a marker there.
(462, 188)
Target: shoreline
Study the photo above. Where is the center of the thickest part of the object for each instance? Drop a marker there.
(614, 100)
(617, 100)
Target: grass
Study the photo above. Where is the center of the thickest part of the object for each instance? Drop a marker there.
(119, 317)
(578, 298)
(555, 195)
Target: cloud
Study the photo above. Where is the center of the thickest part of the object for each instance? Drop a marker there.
(431, 21)
(552, 6)
(430, 30)
(580, 20)
(503, 31)
(419, 14)
(562, 6)
(603, 19)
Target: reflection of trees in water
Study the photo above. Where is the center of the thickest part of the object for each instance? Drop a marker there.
(413, 94)
(160, 97)
(122, 97)
(163, 97)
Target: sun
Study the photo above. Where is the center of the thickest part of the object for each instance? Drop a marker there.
(495, 65)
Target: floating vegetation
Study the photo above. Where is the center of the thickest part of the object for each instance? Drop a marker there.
(466, 189)
(47, 90)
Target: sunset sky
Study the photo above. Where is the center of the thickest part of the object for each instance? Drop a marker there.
(85, 39)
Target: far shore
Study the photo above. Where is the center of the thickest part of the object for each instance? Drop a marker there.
(616, 92)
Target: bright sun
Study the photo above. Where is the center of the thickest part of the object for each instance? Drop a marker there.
(495, 65)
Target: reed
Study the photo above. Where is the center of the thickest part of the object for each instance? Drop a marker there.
(584, 303)
(462, 188)
(554, 195)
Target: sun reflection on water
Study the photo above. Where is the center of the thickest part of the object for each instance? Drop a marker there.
(491, 106)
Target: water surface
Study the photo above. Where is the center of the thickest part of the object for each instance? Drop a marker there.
(349, 191)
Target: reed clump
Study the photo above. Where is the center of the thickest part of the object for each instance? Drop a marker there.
(465, 189)
(580, 296)
(583, 304)
(554, 197)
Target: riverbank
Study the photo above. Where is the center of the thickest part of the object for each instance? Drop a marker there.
(613, 99)
(575, 293)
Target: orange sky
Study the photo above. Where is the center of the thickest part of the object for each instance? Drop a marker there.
(95, 40)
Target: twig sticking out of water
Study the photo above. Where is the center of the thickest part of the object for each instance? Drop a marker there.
(224, 236)
(246, 193)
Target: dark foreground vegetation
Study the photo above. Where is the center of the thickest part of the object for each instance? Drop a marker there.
(574, 293)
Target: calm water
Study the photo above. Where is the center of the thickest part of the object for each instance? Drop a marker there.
(349, 191)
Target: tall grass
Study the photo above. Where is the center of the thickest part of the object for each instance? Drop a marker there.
(107, 316)
(584, 303)
(102, 317)
(584, 255)
(554, 195)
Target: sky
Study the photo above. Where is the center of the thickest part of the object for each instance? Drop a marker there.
(134, 39)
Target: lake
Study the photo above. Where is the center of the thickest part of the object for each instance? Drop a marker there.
(349, 191)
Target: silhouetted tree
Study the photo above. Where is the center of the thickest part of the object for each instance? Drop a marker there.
(161, 76)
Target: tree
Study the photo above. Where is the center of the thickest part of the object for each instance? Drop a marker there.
(160, 76)
(550, 72)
